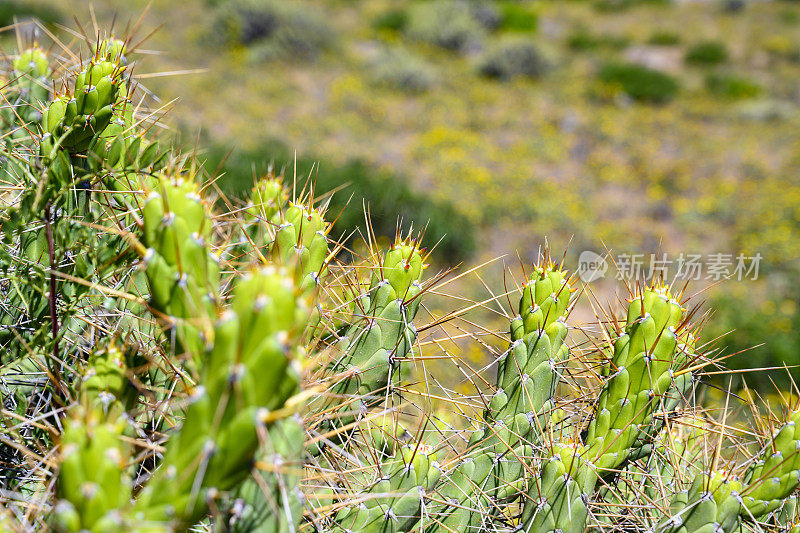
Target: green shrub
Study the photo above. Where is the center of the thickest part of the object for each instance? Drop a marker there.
(516, 17)
(731, 86)
(388, 195)
(750, 311)
(789, 16)
(26, 9)
(487, 14)
(511, 58)
(394, 20)
(273, 29)
(399, 69)
(707, 53)
(449, 24)
(664, 38)
(639, 82)
(583, 40)
(621, 5)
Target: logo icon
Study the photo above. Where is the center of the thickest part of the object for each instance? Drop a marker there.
(591, 266)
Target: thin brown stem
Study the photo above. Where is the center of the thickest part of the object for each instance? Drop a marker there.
(51, 297)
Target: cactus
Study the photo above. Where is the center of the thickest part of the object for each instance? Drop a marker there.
(169, 367)
(94, 482)
(558, 499)
(73, 121)
(27, 92)
(183, 275)
(301, 239)
(527, 375)
(247, 374)
(640, 372)
(395, 502)
(522, 405)
(273, 502)
(676, 394)
(372, 347)
(774, 476)
(711, 504)
(267, 200)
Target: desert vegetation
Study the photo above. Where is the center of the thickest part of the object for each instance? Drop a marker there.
(206, 339)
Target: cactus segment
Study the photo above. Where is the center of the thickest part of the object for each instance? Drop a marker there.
(74, 121)
(183, 275)
(372, 347)
(711, 504)
(521, 406)
(93, 483)
(245, 376)
(774, 476)
(395, 502)
(526, 374)
(274, 503)
(301, 240)
(267, 199)
(557, 501)
(641, 365)
(677, 394)
(32, 62)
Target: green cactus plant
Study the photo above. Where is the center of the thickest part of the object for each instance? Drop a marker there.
(395, 502)
(557, 500)
(639, 373)
(773, 477)
(272, 502)
(94, 481)
(247, 373)
(711, 504)
(369, 352)
(160, 371)
(182, 273)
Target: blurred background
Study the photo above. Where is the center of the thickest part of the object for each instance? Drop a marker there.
(620, 127)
